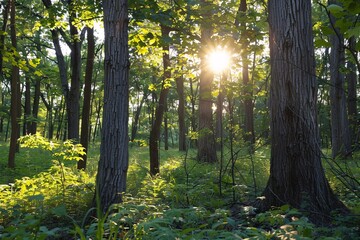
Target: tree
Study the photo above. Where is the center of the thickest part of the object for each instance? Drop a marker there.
(15, 92)
(340, 134)
(160, 108)
(351, 78)
(296, 173)
(181, 112)
(114, 153)
(248, 88)
(84, 137)
(206, 140)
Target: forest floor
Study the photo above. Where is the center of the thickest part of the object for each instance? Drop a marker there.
(46, 199)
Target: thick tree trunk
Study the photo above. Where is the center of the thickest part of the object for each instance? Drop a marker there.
(114, 153)
(296, 173)
(206, 139)
(340, 133)
(15, 110)
(160, 109)
(84, 138)
(181, 113)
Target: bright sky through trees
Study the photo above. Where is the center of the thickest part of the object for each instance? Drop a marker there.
(218, 59)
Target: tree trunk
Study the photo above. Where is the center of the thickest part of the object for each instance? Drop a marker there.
(181, 113)
(49, 115)
(249, 134)
(15, 109)
(206, 139)
(84, 138)
(35, 109)
(114, 152)
(296, 173)
(166, 127)
(73, 106)
(135, 122)
(340, 133)
(5, 15)
(219, 115)
(351, 78)
(27, 108)
(193, 117)
(160, 109)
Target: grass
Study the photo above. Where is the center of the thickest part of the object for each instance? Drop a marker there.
(184, 202)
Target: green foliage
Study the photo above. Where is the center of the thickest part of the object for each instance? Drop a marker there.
(182, 203)
(33, 207)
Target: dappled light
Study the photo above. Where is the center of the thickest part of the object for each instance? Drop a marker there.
(142, 119)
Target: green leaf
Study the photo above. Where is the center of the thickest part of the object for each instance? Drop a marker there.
(335, 9)
(59, 211)
(38, 197)
(353, 32)
(319, 42)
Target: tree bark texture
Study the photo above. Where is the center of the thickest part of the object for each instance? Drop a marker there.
(15, 110)
(84, 138)
(114, 153)
(160, 109)
(296, 173)
(206, 139)
(340, 134)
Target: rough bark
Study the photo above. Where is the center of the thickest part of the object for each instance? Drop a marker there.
(340, 134)
(114, 153)
(84, 138)
(206, 139)
(160, 109)
(15, 110)
(296, 173)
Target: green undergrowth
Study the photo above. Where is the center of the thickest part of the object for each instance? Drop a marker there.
(55, 200)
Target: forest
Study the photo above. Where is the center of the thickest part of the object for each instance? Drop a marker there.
(179, 119)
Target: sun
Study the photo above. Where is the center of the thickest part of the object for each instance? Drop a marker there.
(218, 60)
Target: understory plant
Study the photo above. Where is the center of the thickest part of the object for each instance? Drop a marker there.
(40, 206)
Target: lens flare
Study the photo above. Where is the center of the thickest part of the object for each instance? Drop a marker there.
(218, 60)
